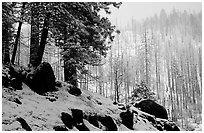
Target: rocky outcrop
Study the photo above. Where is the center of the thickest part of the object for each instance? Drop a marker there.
(24, 124)
(127, 119)
(108, 122)
(74, 91)
(67, 120)
(153, 108)
(41, 79)
(93, 119)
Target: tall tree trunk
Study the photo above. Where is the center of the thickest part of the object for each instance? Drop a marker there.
(116, 87)
(18, 35)
(43, 39)
(5, 44)
(70, 70)
(34, 44)
(111, 77)
(16, 43)
(70, 73)
(146, 60)
(100, 80)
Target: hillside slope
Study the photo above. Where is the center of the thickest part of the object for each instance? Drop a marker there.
(45, 112)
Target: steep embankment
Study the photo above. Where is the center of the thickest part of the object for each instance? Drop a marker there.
(26, 110)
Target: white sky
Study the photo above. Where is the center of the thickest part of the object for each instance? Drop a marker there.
(141, 10)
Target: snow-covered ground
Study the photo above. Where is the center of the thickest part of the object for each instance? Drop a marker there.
(44, 112)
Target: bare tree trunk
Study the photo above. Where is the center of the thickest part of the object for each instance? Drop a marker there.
(34, 44)
(5, 45)
(43, 39)
(100, 80)
(146, 60)
(18, 35)
(111, 76)
(70, 74)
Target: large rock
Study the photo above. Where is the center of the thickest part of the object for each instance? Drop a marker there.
(77, 116)
(42, 79)
(74, 91)
(78, 120)
(24, 124)
(127, 119)
(152, 108)
(93, 119)
(67, 120)
(108, 122)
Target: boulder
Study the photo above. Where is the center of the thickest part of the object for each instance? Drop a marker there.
(108, 122)
(24, 124)
(127, 119)
(78, 120)
(67, 120)
(153, 108)
(93, 119)
(77, 116)
(74, 91)
(42, 79)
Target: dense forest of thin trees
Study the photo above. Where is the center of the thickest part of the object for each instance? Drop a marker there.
(163, 52)
(161, 55)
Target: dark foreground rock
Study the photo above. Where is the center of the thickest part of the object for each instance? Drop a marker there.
(74, 91)
(127, 119)
(152, 108)
(108, 122)
(67, 120)
(24, 124)
(93, 119)
(42, 79)
(77, 116)
(78, 120)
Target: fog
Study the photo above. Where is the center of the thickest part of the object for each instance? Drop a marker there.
(141, 10)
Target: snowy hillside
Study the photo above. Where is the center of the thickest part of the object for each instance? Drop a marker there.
(44, 112)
